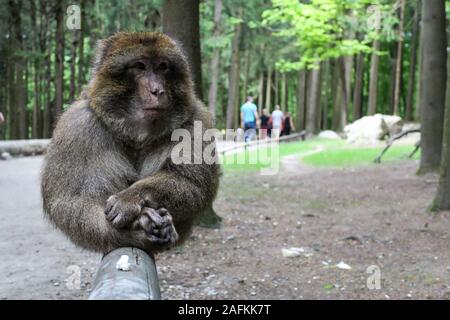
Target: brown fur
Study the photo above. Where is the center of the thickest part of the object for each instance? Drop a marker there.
(99, 149)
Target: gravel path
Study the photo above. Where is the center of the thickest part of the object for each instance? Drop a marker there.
(369, 216)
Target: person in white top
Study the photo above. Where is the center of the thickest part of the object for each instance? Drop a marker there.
(277, 120)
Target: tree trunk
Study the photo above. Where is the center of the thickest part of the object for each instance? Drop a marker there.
(246, 72)
(314, 103)
(399, 60)
(261, 92)
(393, 61)
(20, 66)
(337, 96)
(180, 20)
(344, 75)
(276, 86)
(409, 116)
(269, 88)
(324, 95)
(45, 82)
(215, 65)
(301, 100)
(358, 90)
(373, 82)
(283, 92)
(81, 79)
(433, 80)
(73, 63)
(59, 58)
(233, 79)
(37, 106)
(442, 198)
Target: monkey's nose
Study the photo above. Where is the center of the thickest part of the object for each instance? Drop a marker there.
(157, 92)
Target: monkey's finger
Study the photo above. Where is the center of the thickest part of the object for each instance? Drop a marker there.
(170, 234)
(154, 216)
(163, 212)
(112, 213)
(146, 223)
(156, 240)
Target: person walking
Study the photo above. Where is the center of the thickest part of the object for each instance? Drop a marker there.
(249, 118)
(265, 125)
(277, 122)
(288, 124)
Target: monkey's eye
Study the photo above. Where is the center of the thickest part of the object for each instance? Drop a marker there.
(138, 65)
(163, 66)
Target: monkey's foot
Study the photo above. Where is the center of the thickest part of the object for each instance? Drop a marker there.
(158, 225)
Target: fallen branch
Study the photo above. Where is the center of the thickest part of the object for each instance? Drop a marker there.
(394, 138)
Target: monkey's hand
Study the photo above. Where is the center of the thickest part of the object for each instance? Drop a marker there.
(158, 225)
(122, 209)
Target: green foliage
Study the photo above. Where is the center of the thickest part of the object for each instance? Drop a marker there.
(325, 29)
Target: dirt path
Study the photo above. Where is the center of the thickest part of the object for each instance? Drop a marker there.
(372, 216)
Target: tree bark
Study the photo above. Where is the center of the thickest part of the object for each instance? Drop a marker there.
(215, 61)
(301, 101)
(269, 88)
(314, 103)
(442, 198)
(233, 79)
(399, 60)
(433, 83)
(283, 92)
(37, 106)
(180, 20)
(46, 80)
(81, 78)
(261, 92)
(59, 58)
(276, 85)
(20, 67)
(358, 90)
(344, 76)
(409, 115)
(337, 96)
(373, 82)
(73, 64)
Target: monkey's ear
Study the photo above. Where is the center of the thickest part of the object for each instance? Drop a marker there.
(101, 51)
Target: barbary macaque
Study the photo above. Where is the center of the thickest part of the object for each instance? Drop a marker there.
(108, 179)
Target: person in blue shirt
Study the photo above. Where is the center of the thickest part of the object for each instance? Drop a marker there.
(249, 118)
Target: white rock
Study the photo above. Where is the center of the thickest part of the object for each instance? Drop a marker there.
(329, 134)
(123, 264)
(369, 129)
(393, 123)
(294, 252)
(343, 265)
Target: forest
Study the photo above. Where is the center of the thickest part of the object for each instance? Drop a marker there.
(327, 62)
(363, 182)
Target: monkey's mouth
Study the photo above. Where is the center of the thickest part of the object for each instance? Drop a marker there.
(153, 111)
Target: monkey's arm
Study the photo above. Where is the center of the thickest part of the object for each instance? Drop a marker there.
(81, 170)
(185, 190)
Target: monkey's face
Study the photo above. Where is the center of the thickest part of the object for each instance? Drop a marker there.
(150, 99)
(141, 84)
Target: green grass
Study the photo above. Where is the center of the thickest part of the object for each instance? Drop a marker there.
(351, 157)
(245, 160)
(335, 153)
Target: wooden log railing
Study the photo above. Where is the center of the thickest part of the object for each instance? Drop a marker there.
(137, 281)
(24, 147)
